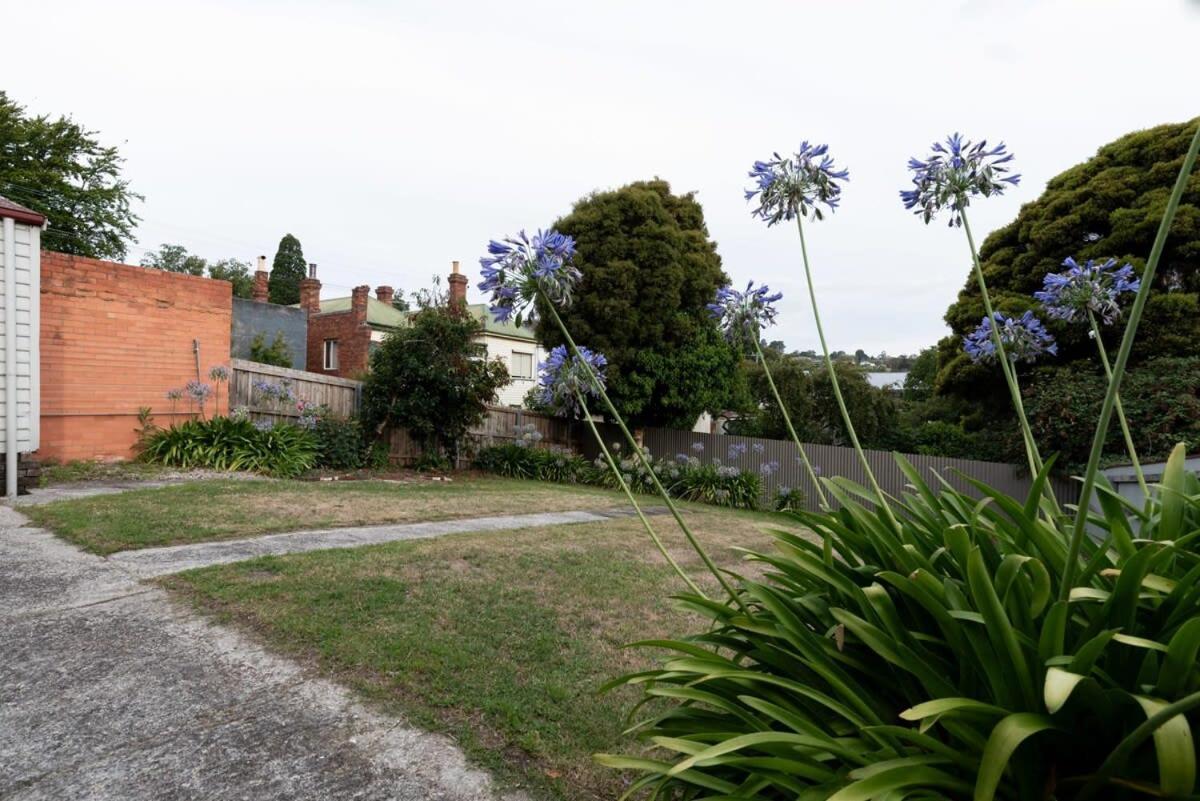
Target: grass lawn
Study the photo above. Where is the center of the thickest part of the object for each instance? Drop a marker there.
(500, 640)
(216, 509)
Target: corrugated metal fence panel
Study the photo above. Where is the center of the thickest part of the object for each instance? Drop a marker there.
(830, 460)
(341, 395)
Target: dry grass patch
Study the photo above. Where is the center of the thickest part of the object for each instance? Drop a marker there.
(499, 639)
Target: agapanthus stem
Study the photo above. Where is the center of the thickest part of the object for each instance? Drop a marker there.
(649, 468)
(612, 465)
(787, 420)
(837, 388)
(1007, 367)
(1133, 457)
(1118, 369)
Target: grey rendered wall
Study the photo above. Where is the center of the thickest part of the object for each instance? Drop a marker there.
(251, 318)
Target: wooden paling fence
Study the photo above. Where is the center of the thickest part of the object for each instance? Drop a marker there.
(341, 395)
(502, 425)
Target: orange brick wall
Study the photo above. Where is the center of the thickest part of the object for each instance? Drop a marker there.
(115, 338)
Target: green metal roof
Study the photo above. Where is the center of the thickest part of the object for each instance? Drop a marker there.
(383, 315)
(490, 326)
(379, 314)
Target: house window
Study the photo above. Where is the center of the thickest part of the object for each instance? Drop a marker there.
(522, 365)
(331, 354)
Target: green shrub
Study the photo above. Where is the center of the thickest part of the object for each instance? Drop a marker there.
(431, 462)
(934, 662)
(719, 486)
(523, 461)
(1161, 399)
(686, 479)
(276, 353)
(223, 443)
(339, 443)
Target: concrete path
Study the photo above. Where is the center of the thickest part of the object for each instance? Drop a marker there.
(150, 562)
(110, 691)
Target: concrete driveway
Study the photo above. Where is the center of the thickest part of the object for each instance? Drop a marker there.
(108, 690)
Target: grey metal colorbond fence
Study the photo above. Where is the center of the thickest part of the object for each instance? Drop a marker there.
(830, 460)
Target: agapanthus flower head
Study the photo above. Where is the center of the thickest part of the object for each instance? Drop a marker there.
(1089, 287)
(1024, 339)
(564, 377)
(174, 394)
(799, 184)
(198, 391)
(957, 170)
(518, 267)
(736, 450)
(742, 315)
(219, 373)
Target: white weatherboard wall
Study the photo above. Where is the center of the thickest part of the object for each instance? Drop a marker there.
(503, 348)
(20, 356)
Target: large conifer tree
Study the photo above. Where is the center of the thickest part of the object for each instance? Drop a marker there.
(287, 271)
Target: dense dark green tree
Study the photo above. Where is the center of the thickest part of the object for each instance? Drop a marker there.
(58, 168)
(177, 259)
(174, 259)
(649, 268)
(918, 384)
(236, 272)
(287, 271)
(808, 393)
(761, 417)
(1106, 207)
(1162, 401)
(432, 378)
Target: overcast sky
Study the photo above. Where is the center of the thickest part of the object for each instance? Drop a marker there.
(393, 137)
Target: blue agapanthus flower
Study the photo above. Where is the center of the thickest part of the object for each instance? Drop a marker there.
(1025, 338)
(517, 268)
(1092, 286)
(564, 376)
(742, 315)
(796, 185)
(953, 173)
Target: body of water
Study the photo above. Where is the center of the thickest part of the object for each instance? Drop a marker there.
(882, 380)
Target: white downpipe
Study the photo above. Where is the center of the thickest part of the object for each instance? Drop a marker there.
(10, 358)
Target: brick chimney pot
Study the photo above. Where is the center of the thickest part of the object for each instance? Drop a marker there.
(358, 303)
(384, 294)
(458, 287)
(310, 292)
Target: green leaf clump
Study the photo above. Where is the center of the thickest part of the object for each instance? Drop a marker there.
(931, 661)
(224, 443)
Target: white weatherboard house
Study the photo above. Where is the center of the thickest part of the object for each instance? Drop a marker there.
(20, 352)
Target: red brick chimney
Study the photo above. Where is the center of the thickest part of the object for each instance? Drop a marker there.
(384, 294)
(358, 303)
(310, 291)
(261, 291)
(458, 287)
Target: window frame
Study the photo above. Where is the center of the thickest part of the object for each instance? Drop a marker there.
(512, 360)
(329, 364)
